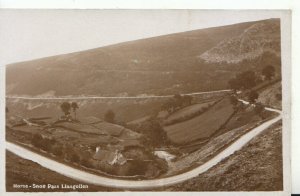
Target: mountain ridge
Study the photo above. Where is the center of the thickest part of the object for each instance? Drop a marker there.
(160, 65)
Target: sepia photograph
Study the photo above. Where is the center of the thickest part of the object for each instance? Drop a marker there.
(146, 100)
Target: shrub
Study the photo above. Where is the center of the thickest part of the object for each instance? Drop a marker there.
(37, 140)
(109, 116)
(268, 72)
(47, 144)
(153, 132)
(137, 167)
(86, 163)
(259, 109)
(243, 80)
(253, 96)
(233, 100)
(279, 96)
(74, 158)
(57, 150)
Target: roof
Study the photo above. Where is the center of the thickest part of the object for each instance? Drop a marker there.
(110, 157)
(104, 155)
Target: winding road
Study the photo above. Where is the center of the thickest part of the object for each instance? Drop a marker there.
(86, 177)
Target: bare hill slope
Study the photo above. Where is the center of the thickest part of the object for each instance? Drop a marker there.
(253, 42)
(158, 65)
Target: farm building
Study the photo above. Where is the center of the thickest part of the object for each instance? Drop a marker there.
(111, 157)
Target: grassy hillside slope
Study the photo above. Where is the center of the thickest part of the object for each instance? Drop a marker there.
(22, 171)
(272, 95)
(160, 65)
(256, 167)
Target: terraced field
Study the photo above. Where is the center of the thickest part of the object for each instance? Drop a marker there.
(188, 111)
(202, 126)
(98, 128)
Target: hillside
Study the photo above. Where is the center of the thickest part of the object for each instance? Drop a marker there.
(252, 43)
(22, 171)
(256, 167)
(272, 95)
(159, 65)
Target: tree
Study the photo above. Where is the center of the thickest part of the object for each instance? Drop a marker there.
(74, 157)
(109, 116)
(244, 80)
(74, 106)
(234, 101)
(247, 79)
(36, 140)
(253, 96)
(187, 100)
(278, 96)
(234, 84)
(178, 100)
(169, 105)
(268, 72)
(57, 150)
(153, 133)
(259, 108)
(65, 107)
(47, 144)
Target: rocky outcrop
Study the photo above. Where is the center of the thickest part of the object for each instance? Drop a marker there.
(253, 42)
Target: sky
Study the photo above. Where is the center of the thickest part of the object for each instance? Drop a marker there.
(32, 34)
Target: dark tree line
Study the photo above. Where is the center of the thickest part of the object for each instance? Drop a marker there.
(243, 81)
(153, 133)
(248, 79)
(268, 72)
(67, 107)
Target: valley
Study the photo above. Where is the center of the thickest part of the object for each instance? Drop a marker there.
(165, 112)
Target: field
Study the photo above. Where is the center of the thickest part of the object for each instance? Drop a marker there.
(125, 109)
(78, 143)
(202, 126)
(139, 120)
(100, 128)
(196, 139)
(197, 153)
(187, 112)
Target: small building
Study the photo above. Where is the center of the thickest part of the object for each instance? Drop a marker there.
(111, 157)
